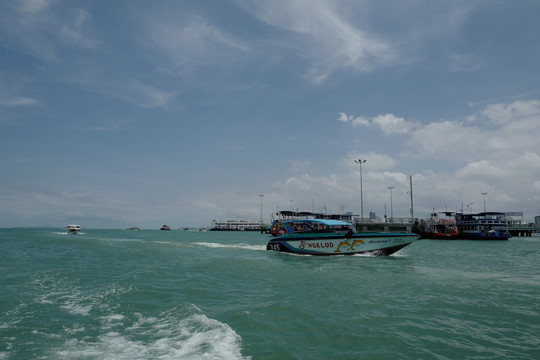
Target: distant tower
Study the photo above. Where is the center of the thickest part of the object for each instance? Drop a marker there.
(537, 220)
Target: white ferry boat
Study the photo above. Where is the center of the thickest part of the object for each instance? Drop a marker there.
(483, 226)
(73, 229)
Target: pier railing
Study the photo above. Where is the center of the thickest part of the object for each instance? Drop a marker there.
(389, 225)
(407, 224)
(523, 229)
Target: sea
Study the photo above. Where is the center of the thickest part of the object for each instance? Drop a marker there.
(150, 294)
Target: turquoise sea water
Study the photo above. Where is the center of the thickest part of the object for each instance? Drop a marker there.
(117, 294)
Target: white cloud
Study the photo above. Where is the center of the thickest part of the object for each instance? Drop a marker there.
(464, 62)
(299, 165)
(192, 41)
(322, 32)
(73, 34)
(388, 123)
(391, 124)
(497, 153)
(524, 113)
(151, 97)
(355, 121)
(18, 101)
(374, 161)
(445, 140)
(38, 28)
(483, 169)
(501, 131)
(34, 6)
(361, 36)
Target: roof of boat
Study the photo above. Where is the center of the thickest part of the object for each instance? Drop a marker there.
(320, 221)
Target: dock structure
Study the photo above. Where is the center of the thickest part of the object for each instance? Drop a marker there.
(391, 225)
(237, 225)
(525, 230)
(409, 225)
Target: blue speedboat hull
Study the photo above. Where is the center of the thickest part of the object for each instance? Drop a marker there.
(341, 243)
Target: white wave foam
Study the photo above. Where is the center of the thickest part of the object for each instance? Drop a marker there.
(61, 292)
(232, 246)
(76, 308)
(163, 337)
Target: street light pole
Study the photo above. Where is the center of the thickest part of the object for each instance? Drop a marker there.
(484, 195)
(412, 207)
(391, 206)
(360, 162)
(260, 220)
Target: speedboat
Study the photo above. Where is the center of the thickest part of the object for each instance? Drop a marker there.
(73, 229)
(335, 237)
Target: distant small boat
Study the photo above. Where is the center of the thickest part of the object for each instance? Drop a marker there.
(73, 229)
(134, 228)
(440, 227)
(165, 227)
(335, 237)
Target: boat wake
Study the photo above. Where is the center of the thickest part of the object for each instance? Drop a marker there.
(65, 233)
(95, 328)
(232, 246)
(165, 336)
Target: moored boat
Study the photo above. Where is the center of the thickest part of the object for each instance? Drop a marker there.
(73, 229)
(440, 227)
(483, 226)
(335, 237)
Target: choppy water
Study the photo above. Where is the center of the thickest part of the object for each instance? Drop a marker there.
(116, 294)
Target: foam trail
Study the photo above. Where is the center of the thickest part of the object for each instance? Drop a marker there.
(166, 337)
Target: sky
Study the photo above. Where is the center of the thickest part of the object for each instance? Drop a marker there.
(143, 113)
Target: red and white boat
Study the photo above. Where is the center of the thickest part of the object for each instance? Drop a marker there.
(441, 225)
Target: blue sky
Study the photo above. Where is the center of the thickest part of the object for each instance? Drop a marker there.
(140, 113)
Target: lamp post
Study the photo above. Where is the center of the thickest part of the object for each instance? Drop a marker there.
(260, 220)
(391, 206)
(411, 193)
(484, 195)
(360, 162)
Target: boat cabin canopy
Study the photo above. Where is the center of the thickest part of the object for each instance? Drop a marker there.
(482, 215)
(288, 214)
(315, 225)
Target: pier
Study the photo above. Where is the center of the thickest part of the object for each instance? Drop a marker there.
(408, 224)
(391, 225)
(525, 230)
